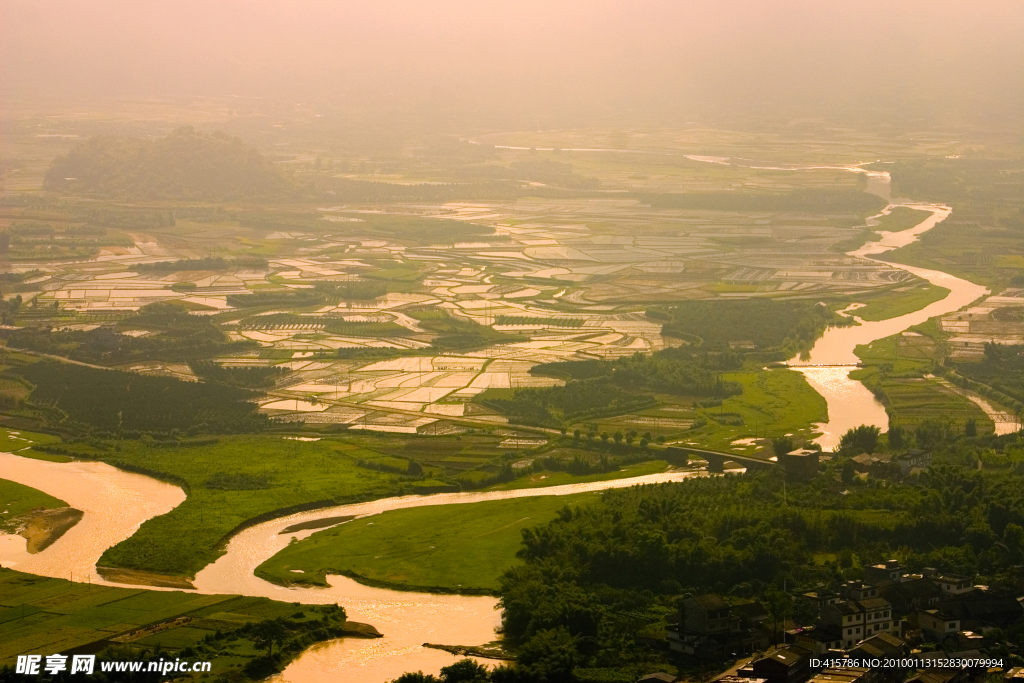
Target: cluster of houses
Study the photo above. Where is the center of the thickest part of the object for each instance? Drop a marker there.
(891, 613)
(888, 465)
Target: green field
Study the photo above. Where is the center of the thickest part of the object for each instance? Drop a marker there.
(450, 548)
(231, 480)
(21, 442)
(17, 499)
(895, 370)
(964, 245)
(773, 403)
(901, 218)
(900, 301)
(228, 481)
(545, 479)
(40, 615)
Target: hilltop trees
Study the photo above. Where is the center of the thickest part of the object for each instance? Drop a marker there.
(184, 165)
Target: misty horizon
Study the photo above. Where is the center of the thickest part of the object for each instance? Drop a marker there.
(471, 65)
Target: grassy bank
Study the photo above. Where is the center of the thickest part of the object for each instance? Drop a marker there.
(773, 403)
(546, 479)
(229, 481)
(235, 481)
(897, 370)
(900, 301)
(23, 443)
(901, 218)
(449, 548)
(46, 615)
(17, 501)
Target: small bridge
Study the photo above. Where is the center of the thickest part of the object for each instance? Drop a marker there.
(797, 366)
(717, 459)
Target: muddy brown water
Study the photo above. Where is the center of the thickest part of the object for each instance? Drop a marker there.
(832, 358)
(406, 619)
(116, 503)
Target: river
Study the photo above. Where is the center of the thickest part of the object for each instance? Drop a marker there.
(115, 503)
(849, 402)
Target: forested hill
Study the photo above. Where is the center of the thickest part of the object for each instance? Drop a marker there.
(185, 165)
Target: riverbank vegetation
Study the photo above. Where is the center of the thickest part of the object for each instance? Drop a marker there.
(1002, 369)
(234, 481)
(230, 482)
(244, 639)
(764, 324)
(18, 501)
(905, 371)
(900, 301)
(901, 218)
(460, 548)
(980, 241)
(600, 583)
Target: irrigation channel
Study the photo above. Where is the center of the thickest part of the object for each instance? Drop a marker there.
(116, 503)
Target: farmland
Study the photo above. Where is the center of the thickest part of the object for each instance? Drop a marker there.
(40, 614)
(900, 371)
(392, 345)
(394, 321)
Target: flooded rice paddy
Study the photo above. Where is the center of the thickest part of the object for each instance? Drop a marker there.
(116, 503)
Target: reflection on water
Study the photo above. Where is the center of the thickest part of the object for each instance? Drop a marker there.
(849, 403)
(406, 619)
(115, 503)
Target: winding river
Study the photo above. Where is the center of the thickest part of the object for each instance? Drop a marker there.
(116, 503)
(832, 358)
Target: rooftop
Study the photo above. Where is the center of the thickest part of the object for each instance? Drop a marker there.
(711, 602)
(874, 603)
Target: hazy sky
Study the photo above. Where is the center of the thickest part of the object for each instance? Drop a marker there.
(530, 59)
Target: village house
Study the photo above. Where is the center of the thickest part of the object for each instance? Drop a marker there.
(887, 572)
(710, 628)
(801, 464)
(913, 460)
(790, 664)
(818, 639)
(875, 464)
(707, 615)
(935, 624)
(914, 594)
(859, 619)
(953, 584)
(820, 599)
(858, 590)
(878, 646)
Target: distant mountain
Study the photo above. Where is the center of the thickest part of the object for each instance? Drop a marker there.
(184, 165)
